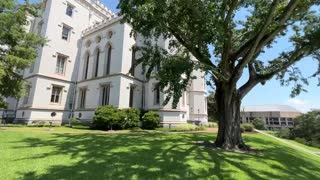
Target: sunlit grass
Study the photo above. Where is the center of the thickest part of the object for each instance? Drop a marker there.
(29, 155)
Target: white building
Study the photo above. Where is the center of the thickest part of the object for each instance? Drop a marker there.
(86, 64)
(274, 116)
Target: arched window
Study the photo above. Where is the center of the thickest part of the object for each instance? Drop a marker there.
(109, 53)
(86, 66)
(133, 61)
(96, 67)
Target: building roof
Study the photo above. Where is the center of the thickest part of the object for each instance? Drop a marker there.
(268, 108)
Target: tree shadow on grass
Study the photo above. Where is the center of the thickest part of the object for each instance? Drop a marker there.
(165, 156)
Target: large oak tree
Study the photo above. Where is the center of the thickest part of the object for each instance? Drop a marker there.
(225, 46)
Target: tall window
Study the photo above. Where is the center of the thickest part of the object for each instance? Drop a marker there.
(26, 97)
(108, 60)
(69, 10)
(96, 66)
(131, 96)
(156, 94)
(56, 94)
(133, 60)
(60, 66)
(82, 98)
(105, 94)
(65, 32)
(86, 67)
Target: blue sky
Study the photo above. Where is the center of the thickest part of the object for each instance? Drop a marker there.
(273, 92)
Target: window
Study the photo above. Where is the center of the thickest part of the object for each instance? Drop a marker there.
(105, 94)
(26, 97)
(82, 98)
(156, 94)
(86, 66)
(69, 10)
(108, 60)
(56, 94)
(65, 32)
(60, 66)
(290, 121)
(133, 61)
(96, 67)
(131, 96)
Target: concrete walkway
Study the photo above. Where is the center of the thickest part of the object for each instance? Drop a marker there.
(290, 144)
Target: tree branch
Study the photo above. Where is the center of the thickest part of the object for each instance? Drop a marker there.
(227, 45)
(268, 37)
(196, 53)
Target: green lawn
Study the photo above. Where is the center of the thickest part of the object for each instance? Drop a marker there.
(314, 149)
(35, 155)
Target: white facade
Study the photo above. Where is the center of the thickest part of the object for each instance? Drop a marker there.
(86, 64)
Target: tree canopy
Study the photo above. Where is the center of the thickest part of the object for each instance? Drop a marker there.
(225, 46)
(237, 44)
(18, 48)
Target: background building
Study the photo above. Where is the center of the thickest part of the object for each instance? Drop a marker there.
(86, 64)
(274, 116)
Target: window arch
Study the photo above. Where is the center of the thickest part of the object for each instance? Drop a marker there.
(86, 66)
(96, 63)
(108, 59)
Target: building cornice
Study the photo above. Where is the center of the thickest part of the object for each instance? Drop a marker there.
(43, 109)
(49, 77)
(100, 25)
(112, 75)
(98, 7)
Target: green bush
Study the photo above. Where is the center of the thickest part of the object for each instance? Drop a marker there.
(307, 129)
(75, 121)
(183, 128)
(109, 117)
(212, 125)
(150, 120)
(132, 118)
(284, 133)
(246, 127)
(39, 123)
(106, 118)
(259, 124)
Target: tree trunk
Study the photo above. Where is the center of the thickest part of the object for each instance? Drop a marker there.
(228, 112)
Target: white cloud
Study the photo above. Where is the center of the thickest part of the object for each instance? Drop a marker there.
(301, 105)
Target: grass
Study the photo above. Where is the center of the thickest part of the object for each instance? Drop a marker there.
(274, 133)
(304, 146)
(34, 155)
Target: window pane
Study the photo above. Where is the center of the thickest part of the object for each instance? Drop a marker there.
(65, 33)
(108, 60)
(69, 10)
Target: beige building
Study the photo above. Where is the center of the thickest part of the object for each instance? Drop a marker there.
(274, 116)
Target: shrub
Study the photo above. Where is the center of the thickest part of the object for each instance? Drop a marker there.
(284, 133)
(105, 118)
(307, 129)
(150, 120)
(39, 123)
(259, 124)
(212, 125)
(132, 118)
(75, 121)
(109, 117)
(184, 127)
(246, 127)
